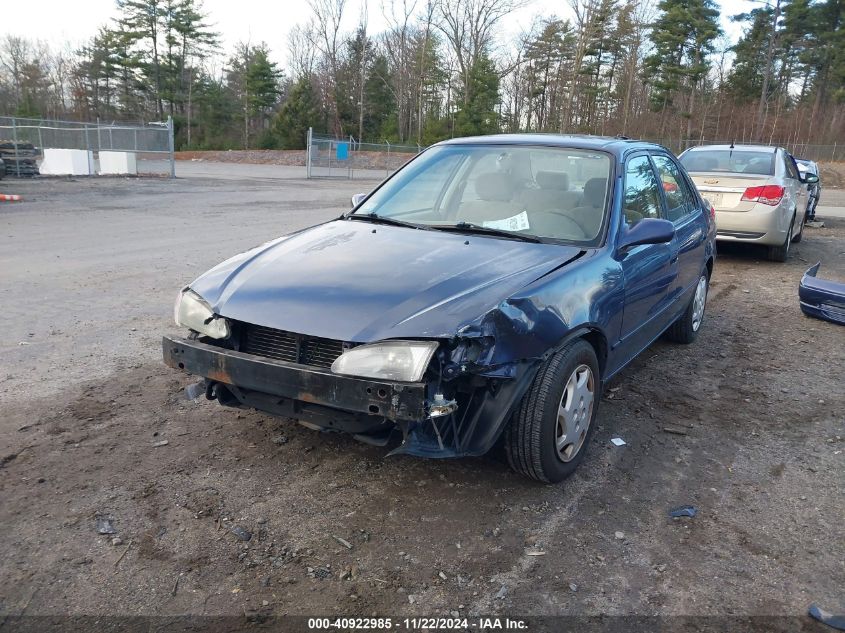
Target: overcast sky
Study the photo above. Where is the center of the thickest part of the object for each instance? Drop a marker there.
(61, 21)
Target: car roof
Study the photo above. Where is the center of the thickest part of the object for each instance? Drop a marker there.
(616, 145)
(756, 148)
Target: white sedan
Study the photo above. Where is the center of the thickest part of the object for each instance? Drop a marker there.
(757, 191)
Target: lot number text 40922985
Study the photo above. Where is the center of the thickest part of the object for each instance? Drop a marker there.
(417, 624)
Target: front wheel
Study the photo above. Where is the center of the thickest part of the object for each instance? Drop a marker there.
(685, 329)
(547, 437)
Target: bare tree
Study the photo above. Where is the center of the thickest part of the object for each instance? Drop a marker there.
(301, 50)
(469, 28)
(328, 15)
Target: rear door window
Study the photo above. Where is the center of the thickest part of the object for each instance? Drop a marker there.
(679, 199)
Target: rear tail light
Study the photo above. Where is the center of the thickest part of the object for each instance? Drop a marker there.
(766, 194)
(712, 212)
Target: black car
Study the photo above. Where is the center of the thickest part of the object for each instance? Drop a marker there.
(488, 290)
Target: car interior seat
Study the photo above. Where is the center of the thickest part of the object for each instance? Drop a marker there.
(496, 193)
(589, 214)
(551, 194)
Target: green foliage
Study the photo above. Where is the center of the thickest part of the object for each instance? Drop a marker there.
(299, 112)
(746, 79)
(262, 81)
(378, 100)
(479, 98)
(683, 36)
(444, 74)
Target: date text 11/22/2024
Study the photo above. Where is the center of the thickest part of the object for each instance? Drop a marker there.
(417, 624)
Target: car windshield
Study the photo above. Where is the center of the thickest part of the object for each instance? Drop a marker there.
(555, 193)
(730, 160)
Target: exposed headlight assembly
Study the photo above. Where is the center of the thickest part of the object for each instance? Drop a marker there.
(192, 311)
(404, 361)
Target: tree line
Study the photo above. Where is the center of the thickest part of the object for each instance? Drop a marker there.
(443, 68)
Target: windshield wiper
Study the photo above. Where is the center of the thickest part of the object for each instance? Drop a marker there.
(383, 219)
(469, 227)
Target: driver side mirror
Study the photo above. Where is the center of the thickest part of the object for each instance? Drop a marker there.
(647, 231)
(809, 178)
(358, 198)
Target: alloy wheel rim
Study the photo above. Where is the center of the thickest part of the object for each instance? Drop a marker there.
(574, 413)
(698, 303)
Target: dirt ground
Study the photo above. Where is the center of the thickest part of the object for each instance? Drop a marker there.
(94, 427)
(833, 175)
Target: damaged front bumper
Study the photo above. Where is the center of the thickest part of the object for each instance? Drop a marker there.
(822, 298)
(466, 422)
(392, 400)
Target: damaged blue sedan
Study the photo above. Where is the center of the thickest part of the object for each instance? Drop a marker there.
(484, 293)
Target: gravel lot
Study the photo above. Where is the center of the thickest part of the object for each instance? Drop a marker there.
(90, 269)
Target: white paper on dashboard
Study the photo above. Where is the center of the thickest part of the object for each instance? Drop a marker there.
(517, 222)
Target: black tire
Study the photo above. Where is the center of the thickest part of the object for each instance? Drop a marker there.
(685, 330)
(780, 253)
(530, 438)
(797, 238)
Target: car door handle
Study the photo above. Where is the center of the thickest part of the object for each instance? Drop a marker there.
(674, 258)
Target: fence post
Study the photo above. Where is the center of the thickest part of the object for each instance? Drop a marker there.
(88, 153)
(99, 138)
(833, 154)
(308, 154)
(15, 139)
(171, 148)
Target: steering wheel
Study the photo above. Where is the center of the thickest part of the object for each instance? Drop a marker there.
(570, 227)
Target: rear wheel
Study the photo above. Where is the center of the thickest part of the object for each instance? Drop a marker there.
(547, 437)
(780, 253)
(685, 330)
(798, 237)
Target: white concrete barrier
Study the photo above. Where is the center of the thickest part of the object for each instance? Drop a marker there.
(118, 163)
(67, 162)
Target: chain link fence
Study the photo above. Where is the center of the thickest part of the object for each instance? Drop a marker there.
(332, 157)
(150, 143)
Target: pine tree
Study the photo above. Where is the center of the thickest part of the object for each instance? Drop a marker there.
(683, 37)
(745, 80)
(299, 112)
(477, 112)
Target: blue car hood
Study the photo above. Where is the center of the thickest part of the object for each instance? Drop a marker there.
(362, 282)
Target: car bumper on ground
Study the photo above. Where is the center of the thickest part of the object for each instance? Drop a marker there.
(761, 225)
(247, 373)
(822, 298)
